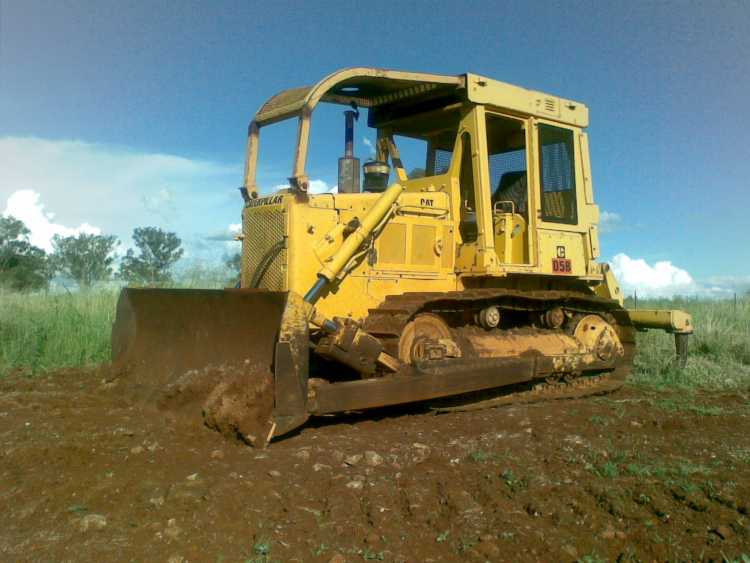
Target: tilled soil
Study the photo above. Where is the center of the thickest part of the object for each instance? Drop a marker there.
(86, 475)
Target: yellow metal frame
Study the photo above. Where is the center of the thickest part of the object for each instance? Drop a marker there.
(678, 322)
(419, 248)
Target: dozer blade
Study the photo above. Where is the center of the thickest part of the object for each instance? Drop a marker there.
(241, 354)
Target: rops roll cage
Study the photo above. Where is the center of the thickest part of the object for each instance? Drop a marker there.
(361, 87)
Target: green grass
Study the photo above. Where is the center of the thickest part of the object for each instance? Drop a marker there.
(43, 331)
(719, 355)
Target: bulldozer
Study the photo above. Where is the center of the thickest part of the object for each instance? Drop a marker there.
(470, 279)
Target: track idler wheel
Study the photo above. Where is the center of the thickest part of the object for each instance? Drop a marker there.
(426, 337)
(599, 337)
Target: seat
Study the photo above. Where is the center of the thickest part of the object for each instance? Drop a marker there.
(513, 187)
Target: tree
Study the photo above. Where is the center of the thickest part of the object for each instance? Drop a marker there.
(22, 265)
(233, 263)
(86, 258)
(158, 252)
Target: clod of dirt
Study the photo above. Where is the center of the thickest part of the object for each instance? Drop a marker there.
(304, 454)
(236, 401)
(92, 522)
(373, 459)
(372, 539)
(489, 550)
(353, 459)
(172, 530)
(242, 406)
(722, 531)
(421, 452)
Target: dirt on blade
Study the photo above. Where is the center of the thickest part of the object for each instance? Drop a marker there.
(86, 474)
(236, 401)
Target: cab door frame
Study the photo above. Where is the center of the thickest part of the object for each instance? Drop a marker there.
(562, 240)
(477, 256)
(531, 197)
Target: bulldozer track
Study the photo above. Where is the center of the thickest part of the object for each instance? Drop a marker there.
(583, 386)
(389, 319)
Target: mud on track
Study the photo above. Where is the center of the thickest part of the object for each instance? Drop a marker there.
(86, 475)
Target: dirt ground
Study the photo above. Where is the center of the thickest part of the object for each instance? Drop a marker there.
(635, 475)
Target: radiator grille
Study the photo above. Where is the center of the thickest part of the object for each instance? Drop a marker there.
(264, 252)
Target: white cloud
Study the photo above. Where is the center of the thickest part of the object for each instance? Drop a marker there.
(314, 187)
(160, 203)
(663, 279)
(320, 187)
(26, 206)
(114, 188)
(228, 234)
(118, 188)
(368, 143)
(609, 221)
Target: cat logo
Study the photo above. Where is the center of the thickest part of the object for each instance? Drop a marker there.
(271, 200)
(427, 202)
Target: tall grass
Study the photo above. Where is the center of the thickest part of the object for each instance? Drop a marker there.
(43, 331)
(719, 354)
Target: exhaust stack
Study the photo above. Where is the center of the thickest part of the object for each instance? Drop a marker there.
(349, 164)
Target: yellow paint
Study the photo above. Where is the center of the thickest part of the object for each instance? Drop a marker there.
(442, 232)
(671, 321)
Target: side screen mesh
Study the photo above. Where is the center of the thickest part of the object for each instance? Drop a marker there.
(508, 179)
(504, 162)
(558, 175)
(442, 161)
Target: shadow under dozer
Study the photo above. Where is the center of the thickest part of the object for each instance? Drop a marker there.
(239, 356)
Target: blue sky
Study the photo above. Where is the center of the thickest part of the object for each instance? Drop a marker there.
(120, 114)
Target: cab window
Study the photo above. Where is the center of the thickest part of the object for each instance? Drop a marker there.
(558, 179)
(468, 222)
(506, 152)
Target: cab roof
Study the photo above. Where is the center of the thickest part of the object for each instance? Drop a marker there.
(376, 88)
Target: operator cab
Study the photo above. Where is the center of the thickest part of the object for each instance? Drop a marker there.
(465, 135)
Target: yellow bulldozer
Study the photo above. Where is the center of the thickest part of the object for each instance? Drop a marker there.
(471, 276)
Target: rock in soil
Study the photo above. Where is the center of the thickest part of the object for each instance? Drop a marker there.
(93, 522)
(373, 459)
